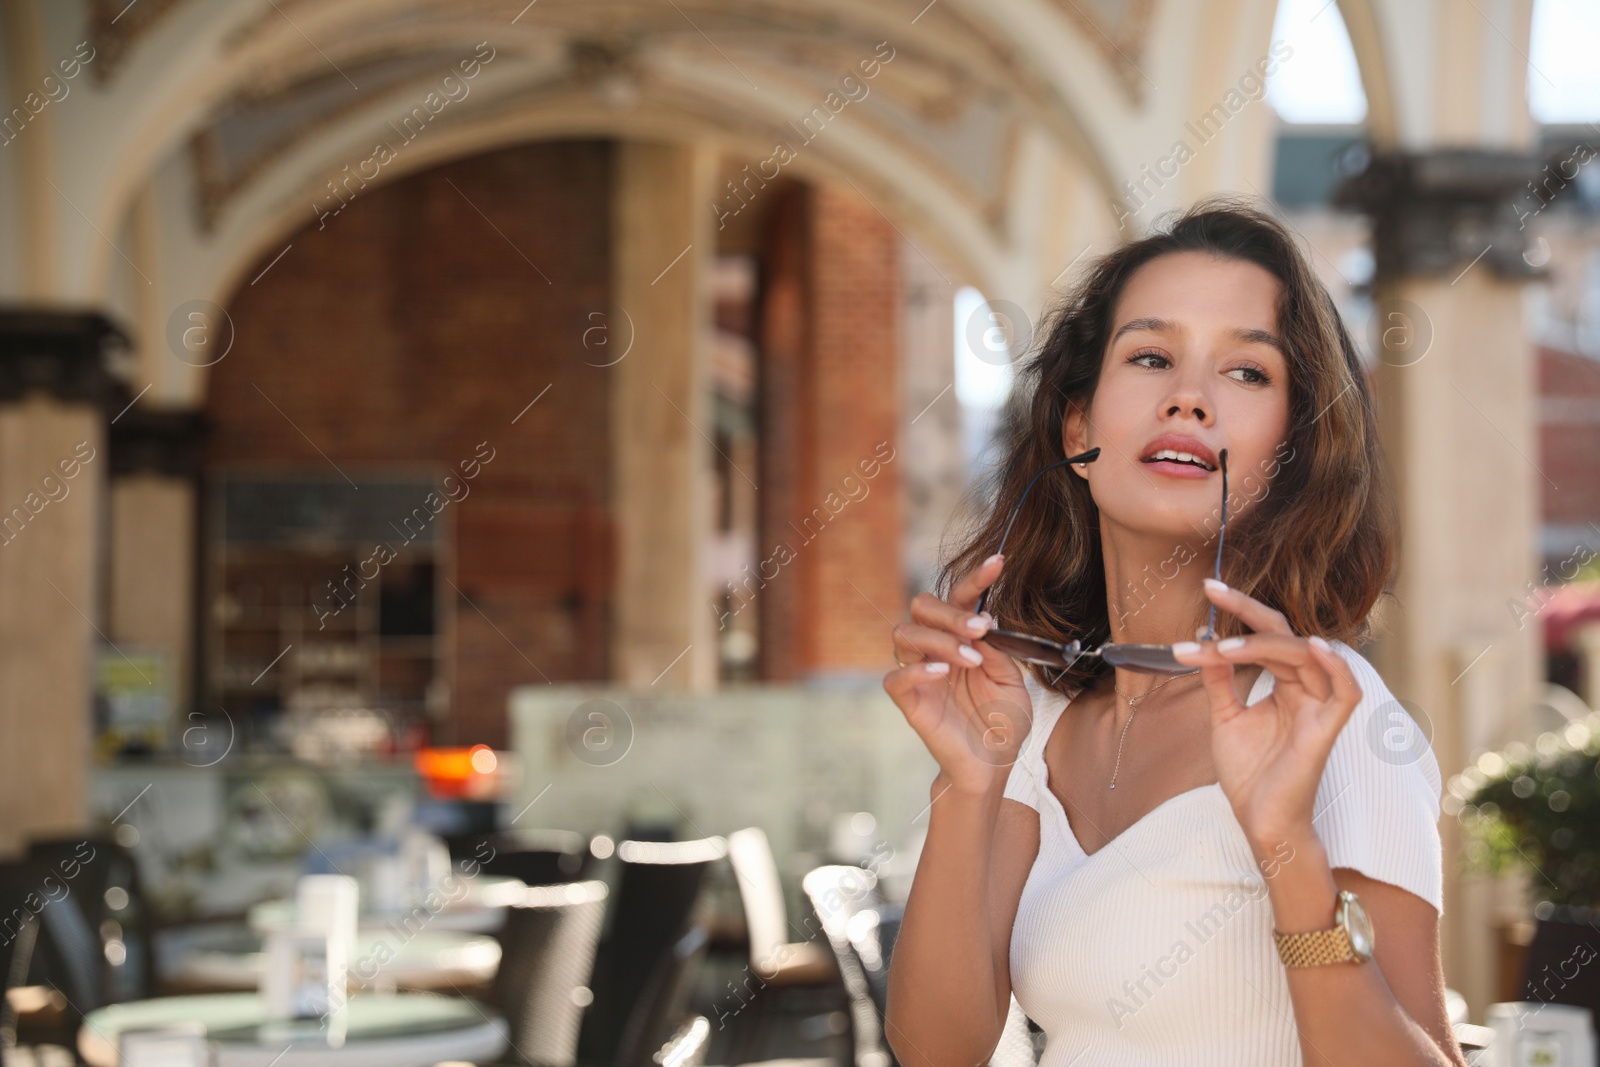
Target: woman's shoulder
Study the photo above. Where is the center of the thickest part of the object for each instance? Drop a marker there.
(1382, 732)
(1377, 806)
(1028, 772)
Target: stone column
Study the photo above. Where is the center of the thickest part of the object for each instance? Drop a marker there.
(154, 547)
(665, 627)
(53, 389)
(1455, 386)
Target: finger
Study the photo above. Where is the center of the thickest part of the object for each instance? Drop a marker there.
(937, 644)
(903, 685)
(1221, 694)
(1347, 690)
(966, 592)
(1258, 616)
(1289, 658)
(1290, 686)
(902, 681)
(929, 610)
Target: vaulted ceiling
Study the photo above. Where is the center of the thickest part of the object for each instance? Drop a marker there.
(955, 96)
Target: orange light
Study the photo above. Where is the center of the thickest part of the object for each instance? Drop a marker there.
(455, 772)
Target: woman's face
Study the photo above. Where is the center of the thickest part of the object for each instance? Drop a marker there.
(1194, 359)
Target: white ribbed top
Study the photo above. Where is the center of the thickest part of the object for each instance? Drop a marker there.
(1157, 949)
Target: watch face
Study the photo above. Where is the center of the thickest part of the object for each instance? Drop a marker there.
(1356, 924)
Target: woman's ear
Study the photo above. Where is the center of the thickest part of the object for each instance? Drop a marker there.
(1074, 439)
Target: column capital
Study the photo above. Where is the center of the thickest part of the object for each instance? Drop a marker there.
(153, 441)
(61, 354)
(1439, 211)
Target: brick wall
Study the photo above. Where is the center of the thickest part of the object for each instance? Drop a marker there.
(1569, 437)
(830, 407)
(418, 323)
(856, 352)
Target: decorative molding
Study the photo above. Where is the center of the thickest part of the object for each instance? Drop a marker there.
(1120, 44)
(1438, 212)
(240, 139)
(154, 441)
(114, 26)
(62, 354)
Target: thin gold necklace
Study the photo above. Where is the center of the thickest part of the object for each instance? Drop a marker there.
(1133, 707)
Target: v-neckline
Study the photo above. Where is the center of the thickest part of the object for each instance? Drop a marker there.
(1061, 809)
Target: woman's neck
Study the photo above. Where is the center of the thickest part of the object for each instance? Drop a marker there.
(1153, 588)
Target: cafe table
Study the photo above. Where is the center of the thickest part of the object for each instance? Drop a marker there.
(382, 1030)
(385, 958)
(469, 904)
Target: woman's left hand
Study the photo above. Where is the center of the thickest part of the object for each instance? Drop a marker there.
(1270, 755)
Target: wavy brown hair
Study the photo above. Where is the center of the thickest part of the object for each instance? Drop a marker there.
(1321, 538)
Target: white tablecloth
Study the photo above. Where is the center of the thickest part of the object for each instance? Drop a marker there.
(383, 959)
(474, 905)
(397, 1030)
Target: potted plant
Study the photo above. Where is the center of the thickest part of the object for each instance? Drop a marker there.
(1537, 807)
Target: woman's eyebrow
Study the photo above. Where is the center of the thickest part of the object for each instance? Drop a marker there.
(1257, 337)
(1238, 333)
(1151, 324)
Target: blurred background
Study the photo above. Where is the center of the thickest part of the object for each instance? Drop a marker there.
(478, 441)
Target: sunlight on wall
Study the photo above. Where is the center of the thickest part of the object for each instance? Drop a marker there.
(984, 349)
(1563, 77)
(982, 359)
(1320, 82)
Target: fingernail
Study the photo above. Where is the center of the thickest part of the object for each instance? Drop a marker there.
(970, 654)
(1212, 583)
(1184, 648)
(936, 666)
(977, 624)
(1230, 644)
(993, 559)
(1320, 643)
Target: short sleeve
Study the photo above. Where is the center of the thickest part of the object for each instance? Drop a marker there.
(1024, 782)
(1377, 806)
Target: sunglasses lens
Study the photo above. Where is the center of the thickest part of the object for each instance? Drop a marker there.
(1029, 649)
(1151, 659)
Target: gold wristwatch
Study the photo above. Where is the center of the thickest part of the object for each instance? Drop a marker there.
(1349, 939)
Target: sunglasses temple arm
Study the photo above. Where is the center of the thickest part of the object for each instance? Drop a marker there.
(1222, 528)
(1082, 457)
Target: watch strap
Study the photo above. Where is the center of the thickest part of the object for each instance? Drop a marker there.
(1315, 947)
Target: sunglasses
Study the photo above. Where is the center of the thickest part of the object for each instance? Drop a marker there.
(1149, 659)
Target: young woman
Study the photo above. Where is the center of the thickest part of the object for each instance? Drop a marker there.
(1234, 862)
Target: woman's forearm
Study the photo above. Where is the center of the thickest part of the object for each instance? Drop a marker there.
(1344, 1013)
(943, 991)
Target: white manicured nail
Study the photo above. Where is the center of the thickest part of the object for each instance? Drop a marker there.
(970, 654)
(934, 666)
(977, 624)
(1212, 583)
(1230, 644)
(1183, 648)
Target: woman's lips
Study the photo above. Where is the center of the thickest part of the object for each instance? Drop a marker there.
(1178, 470)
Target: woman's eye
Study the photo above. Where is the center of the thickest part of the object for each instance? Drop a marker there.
(1251, 375)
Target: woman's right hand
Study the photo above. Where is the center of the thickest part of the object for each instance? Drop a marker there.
(966, 700)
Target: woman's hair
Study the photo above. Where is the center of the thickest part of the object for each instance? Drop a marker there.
(1320, 541)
